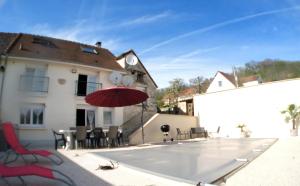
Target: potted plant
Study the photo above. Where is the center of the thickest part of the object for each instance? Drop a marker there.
(243, 127)
(292, 113)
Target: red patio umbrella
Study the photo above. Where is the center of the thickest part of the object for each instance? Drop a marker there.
(118, 97)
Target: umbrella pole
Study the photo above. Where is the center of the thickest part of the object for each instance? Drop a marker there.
(142, 122)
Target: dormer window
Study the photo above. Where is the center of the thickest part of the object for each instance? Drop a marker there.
(43, 41)
(87, 49)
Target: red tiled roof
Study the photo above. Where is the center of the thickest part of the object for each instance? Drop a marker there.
(62, 50)
(229, 77)
(6, 39)
(249, 78)
(188, 92)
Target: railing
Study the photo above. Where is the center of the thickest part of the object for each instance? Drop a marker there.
(34, 83)
(82, 88)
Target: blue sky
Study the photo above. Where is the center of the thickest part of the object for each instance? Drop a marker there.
(173, 38)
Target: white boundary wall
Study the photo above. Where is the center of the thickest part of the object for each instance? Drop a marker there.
(257, 106)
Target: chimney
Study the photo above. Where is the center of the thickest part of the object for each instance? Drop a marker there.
(98, 44)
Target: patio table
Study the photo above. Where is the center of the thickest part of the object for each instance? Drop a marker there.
(69, 133)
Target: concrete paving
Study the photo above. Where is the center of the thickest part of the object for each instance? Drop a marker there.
(278, 166)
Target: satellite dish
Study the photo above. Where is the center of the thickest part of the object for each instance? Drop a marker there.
(115, 78)
(127, 80)
(131, 59)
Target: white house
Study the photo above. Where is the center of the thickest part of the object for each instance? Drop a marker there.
(224, 81)
(44, 81)
(221, 81)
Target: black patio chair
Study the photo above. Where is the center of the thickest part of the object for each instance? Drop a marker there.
(80, 136)
(90, 136)
(59, 137)
(180, 133)
(100, 138)
(112, 135)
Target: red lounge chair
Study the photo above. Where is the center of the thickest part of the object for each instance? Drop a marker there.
(32, 170)
(20, 150)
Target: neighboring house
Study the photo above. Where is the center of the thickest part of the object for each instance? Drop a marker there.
(224, 81)
(44, 81)
(186, 101)
(221, 81)
(250, 80)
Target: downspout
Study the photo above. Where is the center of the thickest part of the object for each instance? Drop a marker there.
(2, 69)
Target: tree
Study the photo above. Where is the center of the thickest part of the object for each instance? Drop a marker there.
(159, 94)
(176, 85)
(197, 83)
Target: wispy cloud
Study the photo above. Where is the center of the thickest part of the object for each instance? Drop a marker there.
(79, 32)
(180, 62)
(146, 19)
(219, 25)
(2, 2)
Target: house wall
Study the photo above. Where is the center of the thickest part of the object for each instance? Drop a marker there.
(60, 101)
(257, 106)
(152, 132)
(183, 107)
(214, 86)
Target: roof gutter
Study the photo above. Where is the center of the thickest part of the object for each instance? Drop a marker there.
(69, 63)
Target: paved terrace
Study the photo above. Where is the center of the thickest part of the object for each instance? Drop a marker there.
(279, 165)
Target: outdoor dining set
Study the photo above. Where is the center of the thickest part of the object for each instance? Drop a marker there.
(85, 137)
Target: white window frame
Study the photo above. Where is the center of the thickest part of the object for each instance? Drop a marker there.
(91, 79)
(112, 117)
(38, 83)
(86, 117)
(31, 107)
(87, 108)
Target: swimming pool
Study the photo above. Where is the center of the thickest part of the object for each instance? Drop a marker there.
(194, 162)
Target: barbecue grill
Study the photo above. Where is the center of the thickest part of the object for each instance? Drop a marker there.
(165, 130)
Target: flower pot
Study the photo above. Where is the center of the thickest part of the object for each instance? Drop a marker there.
(294, 132)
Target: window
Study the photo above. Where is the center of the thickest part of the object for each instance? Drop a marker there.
(140, 77)
(86, 85)
(87, 49)
(32, 115)
(34, 80)
(91, 84)
(107, 117)
(220, 83)
(85, 117)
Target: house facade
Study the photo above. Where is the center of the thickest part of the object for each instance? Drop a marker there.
(44, 82)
